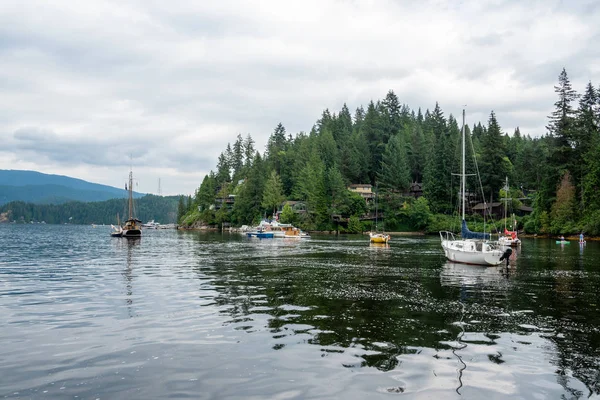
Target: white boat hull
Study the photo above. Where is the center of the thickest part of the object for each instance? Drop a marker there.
(471, 252)
(508, 241)
(298, 236)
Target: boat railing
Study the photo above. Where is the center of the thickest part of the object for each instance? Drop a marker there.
(445, 235)
(493, 244)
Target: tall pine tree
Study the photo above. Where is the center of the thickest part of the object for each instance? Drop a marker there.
(493, 167)
(394, 174)
(586, 130)
(561, 129)
(273, 193)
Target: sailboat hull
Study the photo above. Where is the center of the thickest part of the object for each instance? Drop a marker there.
(132, 228)
(507, 241)
(131, 233)
(471, 252)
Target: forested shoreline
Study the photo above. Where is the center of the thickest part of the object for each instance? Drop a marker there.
(389, 146)
(162, 209)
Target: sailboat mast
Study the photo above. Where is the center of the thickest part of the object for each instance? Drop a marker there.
(462, 178)
(130, 194)
(505, 201)
(376, 211)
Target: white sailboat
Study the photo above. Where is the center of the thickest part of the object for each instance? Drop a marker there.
(510, 237)
(117, 231)
(472, 247)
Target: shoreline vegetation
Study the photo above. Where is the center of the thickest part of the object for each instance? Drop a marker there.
(148, 207)
(406, 156)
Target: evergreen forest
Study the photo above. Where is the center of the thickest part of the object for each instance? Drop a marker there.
(162, 209)
(391, 146)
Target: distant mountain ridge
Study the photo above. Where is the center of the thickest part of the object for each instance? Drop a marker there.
(39, 188)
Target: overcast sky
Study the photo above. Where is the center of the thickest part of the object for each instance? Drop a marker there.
(84, 84)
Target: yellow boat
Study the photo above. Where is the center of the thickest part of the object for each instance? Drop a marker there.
(379, 237)
(374, 236)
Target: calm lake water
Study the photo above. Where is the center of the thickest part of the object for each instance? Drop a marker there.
(220, 316)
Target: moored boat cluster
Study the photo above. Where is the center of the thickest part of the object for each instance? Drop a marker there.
(274, 229)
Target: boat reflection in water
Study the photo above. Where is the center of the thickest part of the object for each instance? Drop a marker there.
(460, 275)
(476, 284)
(128, 274)
(375, 245)
(474, 276)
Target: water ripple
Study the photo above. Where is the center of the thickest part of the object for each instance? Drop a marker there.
(204, 315)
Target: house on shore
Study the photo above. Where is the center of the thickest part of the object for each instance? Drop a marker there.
(365, 190)
(496, 209)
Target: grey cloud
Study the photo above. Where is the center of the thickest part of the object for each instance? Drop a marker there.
(194, 24)
(194, 160)
(80, 54)
(376, 72)
(591, 7)
(76, 53)
(114, 152)
(176, 81)
(490, 39)
(545, 73)
(73, 151)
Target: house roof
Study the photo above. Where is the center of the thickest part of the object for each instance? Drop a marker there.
(481, 206)
(292, 202)
(355, 185)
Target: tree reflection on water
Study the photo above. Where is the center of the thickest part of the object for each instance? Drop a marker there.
(379, 307)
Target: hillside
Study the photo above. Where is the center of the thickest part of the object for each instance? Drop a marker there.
(38, 188)
(394, 148)
(159, 208)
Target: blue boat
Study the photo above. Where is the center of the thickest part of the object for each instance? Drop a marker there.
(265, 235)
(262, 235)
